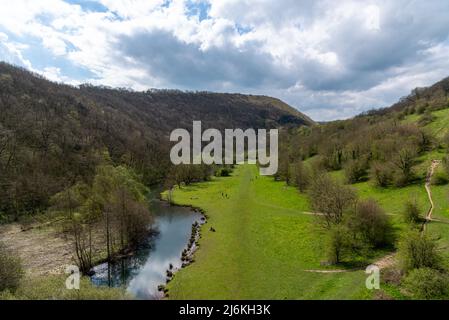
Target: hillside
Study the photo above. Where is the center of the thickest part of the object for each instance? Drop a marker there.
(53, 135)
(396, 162)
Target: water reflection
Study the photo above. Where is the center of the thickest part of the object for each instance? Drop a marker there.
(145, 271)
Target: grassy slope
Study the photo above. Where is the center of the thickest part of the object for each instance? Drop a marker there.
(262, 245)
(439, 128)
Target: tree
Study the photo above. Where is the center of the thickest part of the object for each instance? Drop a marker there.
(382, 174)
(116, 198)
(122, 200)
(74, 201)
(330, 198)
(337, 244)
(301, 176)
(417, 250)
(404, 160)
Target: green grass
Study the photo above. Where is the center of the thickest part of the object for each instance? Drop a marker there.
(265, 240)
(438, 127)
(262, 245)
(53, 287)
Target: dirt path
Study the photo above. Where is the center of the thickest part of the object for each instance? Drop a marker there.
(433, 166)
(42, 250)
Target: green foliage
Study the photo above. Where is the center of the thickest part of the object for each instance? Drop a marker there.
(371, 224)
(426, 119)
(53, 135)
(404, 160)
(11, 271)
(446, 165)
(421, 109)
(338, 244)
(356, 171)
(223, 172)
(188, 174)
(381, 174)
(411, 212)
(427, 284)
(417, 250)
(440, 177)
(117, 198)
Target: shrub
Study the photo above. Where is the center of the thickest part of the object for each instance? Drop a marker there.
(426, 119)
(421, 109)
(426, 283)
(382, 174)
(371, 223)
(445, 141)
(411, 211)
(11, 271)
(440, 177)
(418, 251)
(223, 172)
(356, 171)
(446, 165)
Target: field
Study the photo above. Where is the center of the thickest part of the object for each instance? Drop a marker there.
(265, 241)
(268, 244)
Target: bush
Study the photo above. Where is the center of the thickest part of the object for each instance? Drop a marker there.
(11, 271)
(371, 223)
(445, 141)
(426, 283)
(418, 251)
(426, 119)
(411, 211)
(223, 172)
(356, 171)
(382, 174)
(446, 165)
(440, 178)
(421, 109)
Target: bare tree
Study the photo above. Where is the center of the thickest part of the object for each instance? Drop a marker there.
(331, 198)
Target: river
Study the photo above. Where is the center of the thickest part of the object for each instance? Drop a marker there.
(145, 271)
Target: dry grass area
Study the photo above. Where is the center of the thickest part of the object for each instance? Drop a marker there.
(43, 250)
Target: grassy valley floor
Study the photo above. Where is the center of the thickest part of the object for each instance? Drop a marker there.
(265, 241)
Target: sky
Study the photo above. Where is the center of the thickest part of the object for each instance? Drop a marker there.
(329, 59)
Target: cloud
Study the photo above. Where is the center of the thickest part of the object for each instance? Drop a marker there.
(330, 59)
(186, 65)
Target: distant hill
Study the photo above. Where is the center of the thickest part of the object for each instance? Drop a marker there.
(158, 110)
(52, 135)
